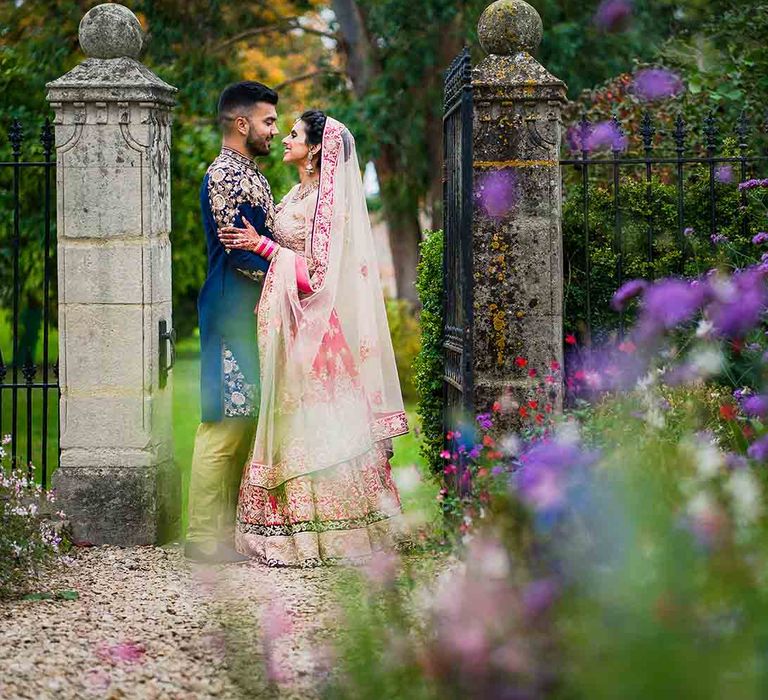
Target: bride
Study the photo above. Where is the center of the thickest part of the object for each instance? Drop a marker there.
(318, 487)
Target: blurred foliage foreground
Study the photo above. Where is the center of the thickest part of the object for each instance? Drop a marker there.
(617, 550)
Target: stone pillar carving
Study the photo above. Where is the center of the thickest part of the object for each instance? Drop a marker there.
(116, 479)
(517, 243)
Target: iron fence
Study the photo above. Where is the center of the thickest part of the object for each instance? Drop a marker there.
(661, 201)
(28, 364)
(457, 253)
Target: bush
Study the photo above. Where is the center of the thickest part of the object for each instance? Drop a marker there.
(28, 540)
(428, 366)
(404, 329)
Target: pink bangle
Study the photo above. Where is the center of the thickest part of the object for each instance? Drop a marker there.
(261, 247)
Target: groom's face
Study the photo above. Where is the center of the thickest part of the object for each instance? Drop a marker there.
(260, 128)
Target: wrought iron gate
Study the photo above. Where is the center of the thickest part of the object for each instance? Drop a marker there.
(29, 386)
(457, 250)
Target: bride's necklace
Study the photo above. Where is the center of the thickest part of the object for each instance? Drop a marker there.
(305, 191)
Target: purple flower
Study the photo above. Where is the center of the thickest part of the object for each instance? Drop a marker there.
(668, 302)
(734, 461)
(485, 421)
(497, 192)
(739, 303)
(613, 15)
(627, 291)
(606, 134)
(474, 453)
(752, 183)
(539, 596)
(718, 238)
(547, 467)
(756, 406)
(760, 238)
(724, 174)
(688, 231)
(652, 84)
(758, 450)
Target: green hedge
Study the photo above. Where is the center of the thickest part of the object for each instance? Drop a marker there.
(428, 366)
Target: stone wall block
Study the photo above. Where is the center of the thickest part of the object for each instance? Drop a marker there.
(106, 421)
(95, 274)
(95, 340)
(101, 202)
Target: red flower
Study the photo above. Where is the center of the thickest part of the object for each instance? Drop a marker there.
(749, 431)
(496, 408)
(533, 405)
(531, 372)
(549, 379)
(523, 411)
(521, 361)
(483, 471)
(548, 408)
(449, 435)
(728, 411)
(570, 339)
(579, 375)
(554, 365)
(488, 441)
(539, 418)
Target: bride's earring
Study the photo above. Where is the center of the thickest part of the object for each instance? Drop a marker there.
(310, 168)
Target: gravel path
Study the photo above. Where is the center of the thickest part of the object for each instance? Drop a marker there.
(147, 624)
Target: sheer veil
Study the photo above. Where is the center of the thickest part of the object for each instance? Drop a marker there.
(329, 385)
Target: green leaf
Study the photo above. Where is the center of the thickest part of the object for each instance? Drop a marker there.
(67, 595)
(38, 596)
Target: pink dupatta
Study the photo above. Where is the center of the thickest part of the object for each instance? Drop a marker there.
(329, 385)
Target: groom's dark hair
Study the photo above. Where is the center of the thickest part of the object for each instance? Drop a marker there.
(239, 96)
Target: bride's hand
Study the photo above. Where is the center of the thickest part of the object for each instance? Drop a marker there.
(246, 238)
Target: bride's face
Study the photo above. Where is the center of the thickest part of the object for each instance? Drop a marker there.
(296, 148)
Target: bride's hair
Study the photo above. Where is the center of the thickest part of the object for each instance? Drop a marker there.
(314, 123)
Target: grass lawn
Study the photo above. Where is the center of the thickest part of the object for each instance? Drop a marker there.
(418, 494)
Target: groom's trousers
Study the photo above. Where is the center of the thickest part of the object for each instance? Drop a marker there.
(221, 450)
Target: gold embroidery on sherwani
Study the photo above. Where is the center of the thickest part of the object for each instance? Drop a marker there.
(234, 179)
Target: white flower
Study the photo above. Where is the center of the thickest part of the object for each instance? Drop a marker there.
(706, 456)
(745, 492)
(237, 398)
(704, 329)
(707, 362)
(228, 366)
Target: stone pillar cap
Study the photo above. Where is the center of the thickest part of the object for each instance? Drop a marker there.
(111, 30)
(112, 38)
(507, 27)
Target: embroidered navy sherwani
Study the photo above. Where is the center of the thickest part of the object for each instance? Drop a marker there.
(232, 188)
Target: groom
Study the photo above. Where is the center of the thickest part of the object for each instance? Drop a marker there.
(232, 188)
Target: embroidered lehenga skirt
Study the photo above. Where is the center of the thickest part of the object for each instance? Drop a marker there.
(341, 514)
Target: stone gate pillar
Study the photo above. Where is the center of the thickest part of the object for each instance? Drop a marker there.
(517, 242)
(116, 480)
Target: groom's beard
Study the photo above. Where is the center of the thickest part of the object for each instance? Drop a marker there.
(256, 146)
